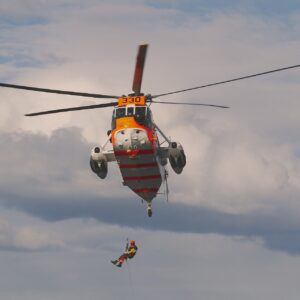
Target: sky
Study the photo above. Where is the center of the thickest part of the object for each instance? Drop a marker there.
(230, 229)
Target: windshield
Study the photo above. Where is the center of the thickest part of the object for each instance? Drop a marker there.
(141, 114)
(120, 112)
(139, 111)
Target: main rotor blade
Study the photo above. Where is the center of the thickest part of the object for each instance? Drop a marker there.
(36, 89)
(190, 103)
(47, 112)
(139, 68)
(226, 81)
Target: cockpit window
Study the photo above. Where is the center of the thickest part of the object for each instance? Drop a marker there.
(142, 114)
(130, 111)
(120, 112)
(140, 111)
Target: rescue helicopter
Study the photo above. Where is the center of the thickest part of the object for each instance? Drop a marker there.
(135, 138)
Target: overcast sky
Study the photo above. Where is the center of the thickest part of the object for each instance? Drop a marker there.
(231, 228)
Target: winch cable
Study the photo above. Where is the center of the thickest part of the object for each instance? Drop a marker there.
(129, 275)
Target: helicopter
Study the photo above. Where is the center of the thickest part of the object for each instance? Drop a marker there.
(135, 138)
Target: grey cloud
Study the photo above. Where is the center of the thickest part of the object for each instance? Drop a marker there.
(278, 230)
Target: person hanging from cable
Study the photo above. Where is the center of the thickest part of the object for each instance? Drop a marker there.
(130, 252)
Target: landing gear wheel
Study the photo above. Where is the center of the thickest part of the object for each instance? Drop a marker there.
(149, 210)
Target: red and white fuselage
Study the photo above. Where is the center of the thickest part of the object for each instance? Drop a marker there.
(136, 149)
(135, 145)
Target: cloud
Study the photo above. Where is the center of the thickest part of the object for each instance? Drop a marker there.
(25, 238)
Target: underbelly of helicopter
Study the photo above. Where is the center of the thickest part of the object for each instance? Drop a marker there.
(139, 166)
(140, 172)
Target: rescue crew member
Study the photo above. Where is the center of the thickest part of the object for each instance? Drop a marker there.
(129, 252)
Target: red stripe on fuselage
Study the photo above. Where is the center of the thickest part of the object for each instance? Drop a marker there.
(136, 166)
(134, 152)
(142, 177)
(145, 190)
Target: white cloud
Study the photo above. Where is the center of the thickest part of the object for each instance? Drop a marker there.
(25, 238)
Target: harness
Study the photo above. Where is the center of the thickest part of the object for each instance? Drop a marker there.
(132, 251)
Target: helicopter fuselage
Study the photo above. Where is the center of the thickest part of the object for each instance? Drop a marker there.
(135, 145)
(137, 150)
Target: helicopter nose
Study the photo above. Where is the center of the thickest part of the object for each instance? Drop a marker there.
(138, 137)
(131, 138)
